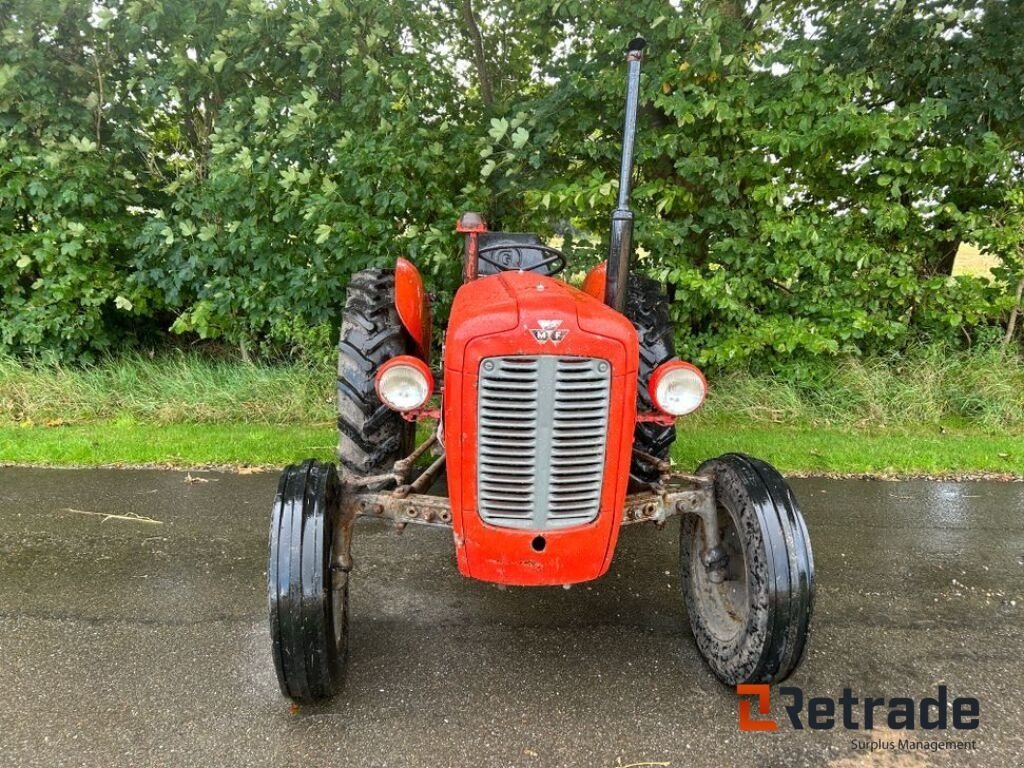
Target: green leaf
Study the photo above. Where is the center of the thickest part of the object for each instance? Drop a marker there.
(83, 145)
(261, 109)
(520, 137)
(102, 16)
(498, 129)
(217, 60)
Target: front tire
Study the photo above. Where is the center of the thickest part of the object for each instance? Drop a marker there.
(752, 627)
(308, 598)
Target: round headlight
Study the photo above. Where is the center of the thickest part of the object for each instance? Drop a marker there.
(404, 383)
(677, 388)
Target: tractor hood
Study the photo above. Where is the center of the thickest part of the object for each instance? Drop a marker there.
(539, 409)
(544, 309)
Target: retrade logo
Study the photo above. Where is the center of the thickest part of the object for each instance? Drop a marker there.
(819, 713)
(764, 707)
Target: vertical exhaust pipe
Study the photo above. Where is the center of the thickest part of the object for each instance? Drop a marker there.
(620, 242)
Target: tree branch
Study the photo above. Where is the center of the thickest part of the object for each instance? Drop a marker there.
(473, 29)
(1011, 326)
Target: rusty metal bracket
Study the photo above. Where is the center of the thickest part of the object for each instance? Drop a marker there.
(407, 503)
(658, 506)
(418, 508)
(403, 466)
(663, 466)
(401, 470)
(424, 481)
(341, 546)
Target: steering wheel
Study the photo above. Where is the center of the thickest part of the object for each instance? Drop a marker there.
(509, 258)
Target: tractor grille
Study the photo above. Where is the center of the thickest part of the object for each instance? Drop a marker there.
(541, 434)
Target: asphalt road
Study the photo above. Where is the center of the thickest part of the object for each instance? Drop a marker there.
(130, 642)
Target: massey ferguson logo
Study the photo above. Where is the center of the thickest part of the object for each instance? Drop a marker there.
(549, 330)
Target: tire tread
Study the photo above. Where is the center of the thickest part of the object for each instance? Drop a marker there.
(647, 309)
(371, 437)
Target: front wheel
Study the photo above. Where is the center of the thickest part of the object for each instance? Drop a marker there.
(306, 590)
(750, 626)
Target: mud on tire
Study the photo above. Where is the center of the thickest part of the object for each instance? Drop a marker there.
(753, 627)
(647, 309)
(371, 437)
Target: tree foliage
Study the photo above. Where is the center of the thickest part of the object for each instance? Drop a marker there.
(221, 168)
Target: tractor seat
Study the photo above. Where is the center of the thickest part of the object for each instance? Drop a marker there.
(515, 251)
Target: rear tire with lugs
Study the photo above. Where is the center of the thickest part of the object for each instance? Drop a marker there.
(647, 309)
(371, 437)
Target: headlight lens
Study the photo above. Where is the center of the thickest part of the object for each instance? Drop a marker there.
(404, 383)
(677, 388)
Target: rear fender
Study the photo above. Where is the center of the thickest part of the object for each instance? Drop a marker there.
(413, 306)
(596, 280)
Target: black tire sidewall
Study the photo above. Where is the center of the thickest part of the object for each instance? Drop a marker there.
(779, 573)
(308, 657)
(732, 662)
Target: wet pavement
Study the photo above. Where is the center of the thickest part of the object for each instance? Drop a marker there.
(142, 639)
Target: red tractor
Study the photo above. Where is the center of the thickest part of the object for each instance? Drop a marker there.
(555, 414)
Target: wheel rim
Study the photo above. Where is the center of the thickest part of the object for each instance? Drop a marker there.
(725, 606)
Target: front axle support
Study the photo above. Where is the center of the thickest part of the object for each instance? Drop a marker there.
(407, 504)
(675, 493)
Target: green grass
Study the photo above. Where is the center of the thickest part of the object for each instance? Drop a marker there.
(793, 449)
(931, 387)
(934, 414)
(180, 445)
(172, 389)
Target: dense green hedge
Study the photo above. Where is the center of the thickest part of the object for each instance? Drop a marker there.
(220, 168)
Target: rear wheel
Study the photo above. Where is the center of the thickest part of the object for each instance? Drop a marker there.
(750, 627)
(647, 309)
(371, 437)
(308, 597)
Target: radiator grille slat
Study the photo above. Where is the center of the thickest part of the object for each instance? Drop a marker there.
(542, 430)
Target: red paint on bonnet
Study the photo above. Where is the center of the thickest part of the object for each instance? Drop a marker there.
(493, 316)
